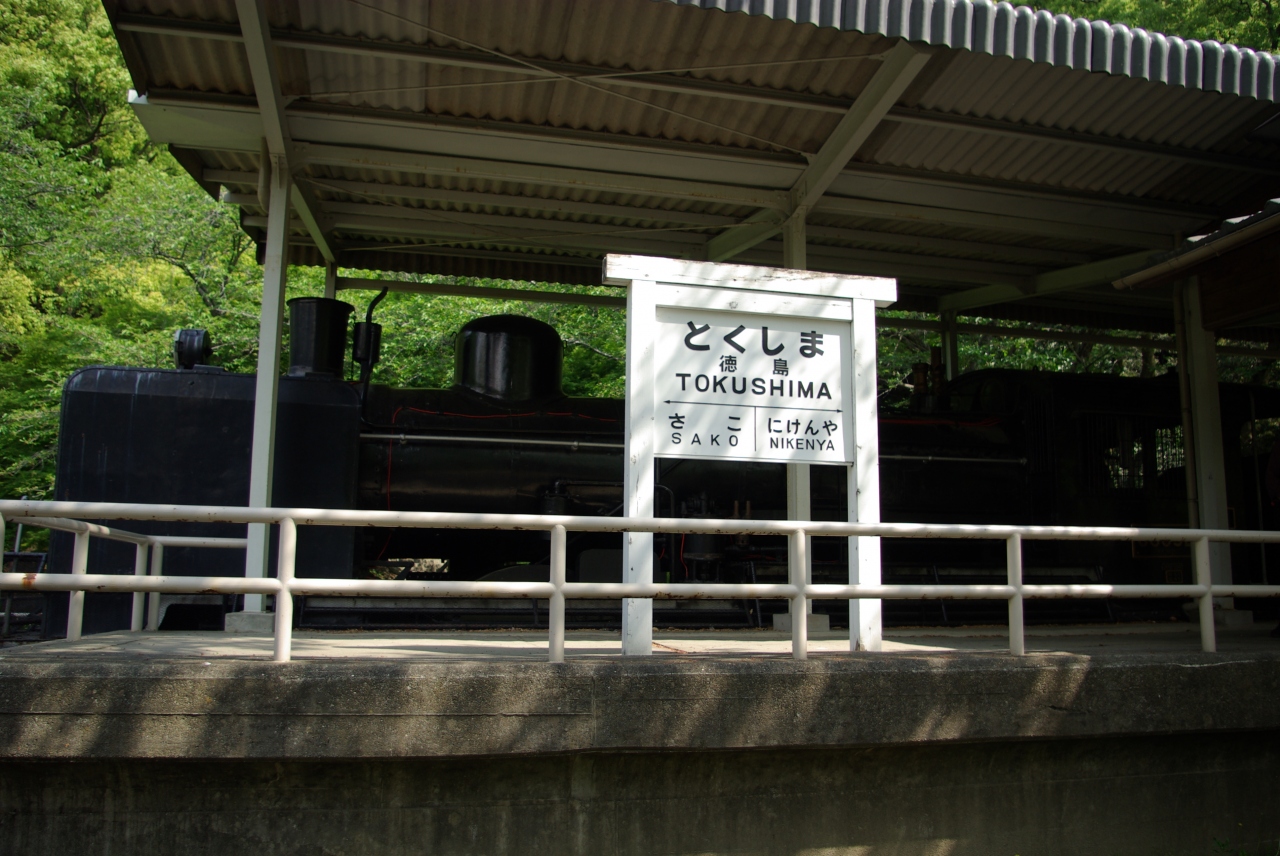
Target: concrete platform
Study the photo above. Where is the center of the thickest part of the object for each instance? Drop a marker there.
(1124, 741)
(530, 645)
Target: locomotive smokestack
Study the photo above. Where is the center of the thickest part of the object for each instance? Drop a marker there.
(317, 336)
(509, 357)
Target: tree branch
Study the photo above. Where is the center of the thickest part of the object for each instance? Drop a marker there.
(581, 344)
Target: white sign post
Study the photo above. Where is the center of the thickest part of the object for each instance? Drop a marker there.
(755, 364)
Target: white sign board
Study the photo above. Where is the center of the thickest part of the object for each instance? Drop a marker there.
(751, 387)
(737, 363)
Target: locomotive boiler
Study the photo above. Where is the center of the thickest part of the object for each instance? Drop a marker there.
(993, 446)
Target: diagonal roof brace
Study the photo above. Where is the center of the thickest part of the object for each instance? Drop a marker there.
(256, 31)
(1066, 279)
(899, 67)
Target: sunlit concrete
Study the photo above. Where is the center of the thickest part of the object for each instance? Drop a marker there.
(324, 645)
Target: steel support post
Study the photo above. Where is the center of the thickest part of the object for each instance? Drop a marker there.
(799, 626)
(799, 504)
(800, 507)
(331, 280)
(139, 599)
(275, 271)
(1204, 576)
(79, 565)
(555, 609)
(153, 599)
(1013, 560)
(284, 598)
(638, 468)
(950, 345)
(865, 626)
(1206, 431)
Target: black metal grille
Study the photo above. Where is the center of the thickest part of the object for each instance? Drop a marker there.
(1122, 452)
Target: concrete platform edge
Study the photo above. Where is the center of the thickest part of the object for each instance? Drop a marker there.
(114, 710)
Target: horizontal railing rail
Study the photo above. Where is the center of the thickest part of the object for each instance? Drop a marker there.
(146, 546)
(285, 586)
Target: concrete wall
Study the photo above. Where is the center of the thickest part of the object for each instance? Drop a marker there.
(84, 708)
(860, 754)
(1131, 796)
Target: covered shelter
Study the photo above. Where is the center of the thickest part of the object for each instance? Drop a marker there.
(994, 160)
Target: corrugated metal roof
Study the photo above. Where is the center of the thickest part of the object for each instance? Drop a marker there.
(547, 132)
(1019, 32)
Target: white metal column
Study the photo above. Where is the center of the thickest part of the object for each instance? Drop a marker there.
(1206, 429)
(950, 345)
(865, 633)
(330, 280)
(638, 464)
(799, 496)
(275, 270)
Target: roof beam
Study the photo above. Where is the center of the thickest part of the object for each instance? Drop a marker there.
(667, 244)
(498, 225)
(1010, 223)
(609, 182)
(486, 293)
(532, 71)
(582, 260)
(1093, 142)
(1067, 279)
(550, 72)
(895, 265)
(900, 66)
(950, 247)
(759, 227)
(493, 228)
(527, 203)
(453, 236)
(926, 243)
(555, 176)
(256, 32)
(972, 270)
(655, 159)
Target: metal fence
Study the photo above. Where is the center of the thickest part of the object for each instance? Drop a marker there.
(149, 579)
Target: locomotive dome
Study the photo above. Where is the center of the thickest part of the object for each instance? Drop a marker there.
(509, 357)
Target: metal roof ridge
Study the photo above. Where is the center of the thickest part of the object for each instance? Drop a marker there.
(1003, 30)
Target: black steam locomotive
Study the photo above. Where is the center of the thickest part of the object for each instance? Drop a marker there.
(990, 447)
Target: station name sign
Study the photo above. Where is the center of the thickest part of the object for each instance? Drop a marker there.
(750, 386)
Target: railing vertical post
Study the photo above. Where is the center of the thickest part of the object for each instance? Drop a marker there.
(555, 616)
(799, 611)
(1208, 640)
(139, 599)
(153, 599)
(284, 598)
(1013, 559)
(79, 565)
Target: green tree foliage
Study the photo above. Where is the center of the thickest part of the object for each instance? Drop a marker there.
(64, 81)
(1248, 23)
(419, 333)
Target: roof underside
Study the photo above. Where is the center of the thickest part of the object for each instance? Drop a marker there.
(526, 138)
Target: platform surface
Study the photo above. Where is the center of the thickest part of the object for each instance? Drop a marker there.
(1145, 638)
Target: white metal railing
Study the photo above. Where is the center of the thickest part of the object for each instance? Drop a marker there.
(143, 544)
(285, 586)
